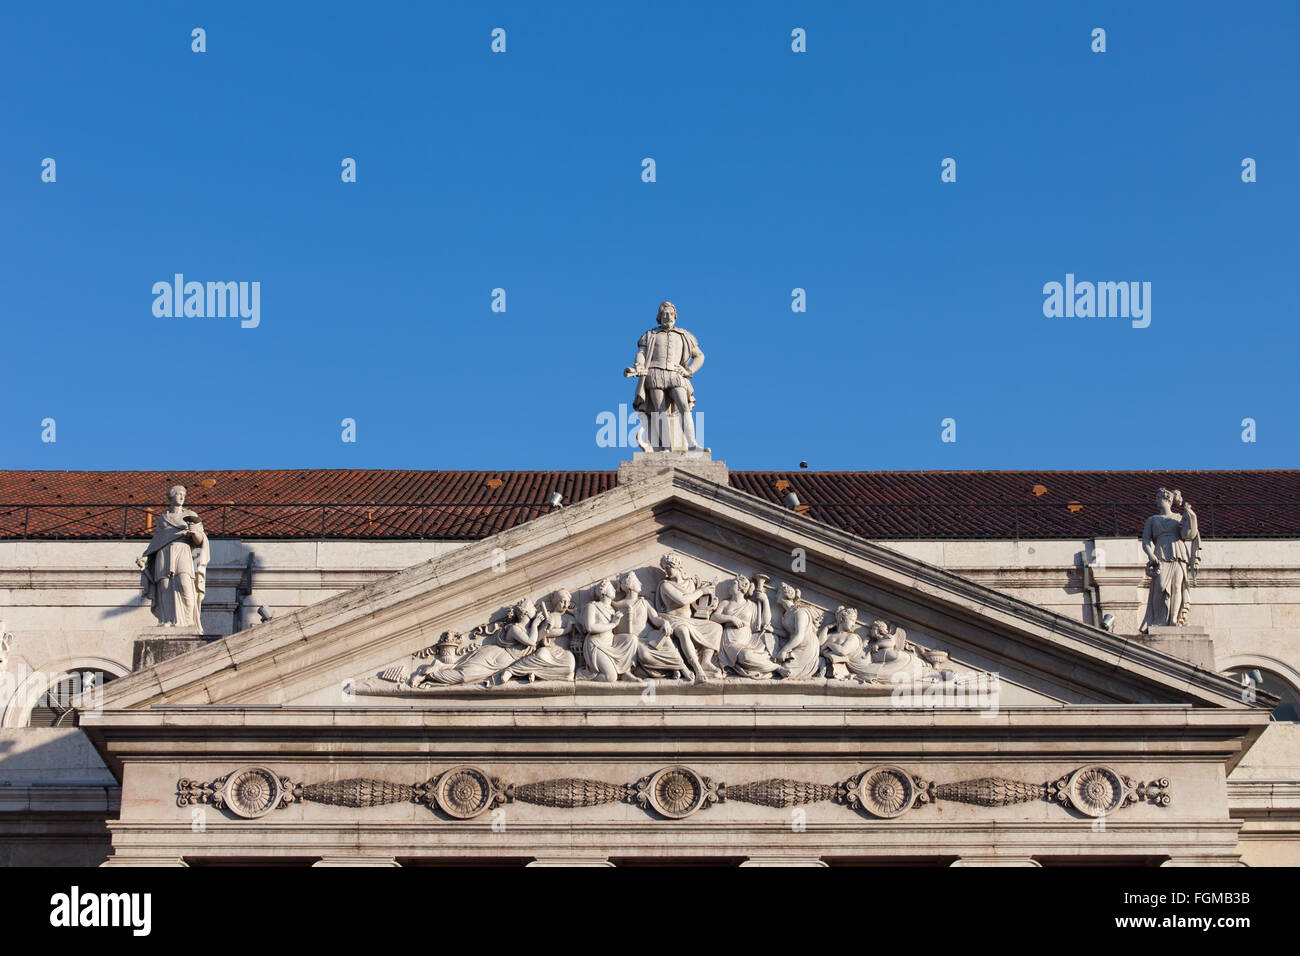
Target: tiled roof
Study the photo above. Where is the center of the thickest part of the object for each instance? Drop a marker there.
(279, 503)
(462, 505)
(1033, 504)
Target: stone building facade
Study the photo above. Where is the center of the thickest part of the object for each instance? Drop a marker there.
(1036, 725)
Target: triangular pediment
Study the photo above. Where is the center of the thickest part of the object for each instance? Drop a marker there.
(379, 645)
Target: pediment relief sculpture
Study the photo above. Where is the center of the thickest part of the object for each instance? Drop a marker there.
(681, 628)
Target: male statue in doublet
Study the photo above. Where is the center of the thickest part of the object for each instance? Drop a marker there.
(667, 357)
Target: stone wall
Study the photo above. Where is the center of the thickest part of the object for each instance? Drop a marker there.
(76, 605)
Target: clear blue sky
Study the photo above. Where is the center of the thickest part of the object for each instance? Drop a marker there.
(775, 170)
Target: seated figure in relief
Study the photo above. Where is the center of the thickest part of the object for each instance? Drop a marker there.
(609, 656)
(841, 645)
(656, 654)
(742, 651)
(549, 656)
(698, 639)
(800, 654)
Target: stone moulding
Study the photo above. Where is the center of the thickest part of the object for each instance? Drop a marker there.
(673, 793)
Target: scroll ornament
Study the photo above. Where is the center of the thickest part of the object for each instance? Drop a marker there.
(672, 793)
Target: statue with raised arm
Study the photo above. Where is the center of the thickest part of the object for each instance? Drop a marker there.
(174, 567)
(1172, 544)
(667, 357)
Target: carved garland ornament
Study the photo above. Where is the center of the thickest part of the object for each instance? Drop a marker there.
(884, 792)
(673, 793)
(676, 792)
(249, 792)
(465, 792)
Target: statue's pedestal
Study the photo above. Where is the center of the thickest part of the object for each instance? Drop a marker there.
(1192, 644)
(646, 463)
(153, 645)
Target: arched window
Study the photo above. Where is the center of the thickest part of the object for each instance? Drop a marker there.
(54, 707)
(1266, 680)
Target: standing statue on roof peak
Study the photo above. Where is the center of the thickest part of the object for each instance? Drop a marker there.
(667, 357)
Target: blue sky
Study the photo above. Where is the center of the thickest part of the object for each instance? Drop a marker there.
(775, 170)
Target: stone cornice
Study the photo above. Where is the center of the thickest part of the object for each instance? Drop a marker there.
(1266, 804)
(60, 798)
(1180, 729)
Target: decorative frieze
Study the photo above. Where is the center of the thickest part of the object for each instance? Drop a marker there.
(661, 623)
(673, 793)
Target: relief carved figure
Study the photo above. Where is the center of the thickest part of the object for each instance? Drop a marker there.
(503, 644)
(1172, 543)
(6, 639)
(763, 614)
(742, 651)
(609, 657)
(548, 656)
(841, 645)
(697, 638)
(891, 657)
(619, 645)
(657, 655)
(174, 566)
(800, 654)
(667, 358)
(687, 629)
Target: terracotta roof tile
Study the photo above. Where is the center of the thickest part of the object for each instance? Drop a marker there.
(460, 505)
(1033, 504)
